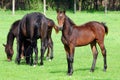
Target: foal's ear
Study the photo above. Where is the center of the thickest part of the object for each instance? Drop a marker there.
(57, 10)
(4, 45)
(64, 11)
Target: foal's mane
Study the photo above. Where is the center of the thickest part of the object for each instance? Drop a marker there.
(70, 21)
(72, 24)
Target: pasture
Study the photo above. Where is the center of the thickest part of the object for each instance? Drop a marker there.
(57, 68)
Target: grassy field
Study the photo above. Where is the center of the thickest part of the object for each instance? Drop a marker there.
(56, 69)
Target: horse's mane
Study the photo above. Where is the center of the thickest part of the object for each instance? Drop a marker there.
(71, 22)
(14, 24)
(11, 35)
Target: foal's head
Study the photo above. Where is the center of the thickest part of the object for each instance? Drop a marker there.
(60, 18)
(9, 52)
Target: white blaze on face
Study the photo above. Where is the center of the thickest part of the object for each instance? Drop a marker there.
(60, 21)
(61, 15)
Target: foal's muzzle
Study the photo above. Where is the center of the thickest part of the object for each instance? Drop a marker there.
(60, 28)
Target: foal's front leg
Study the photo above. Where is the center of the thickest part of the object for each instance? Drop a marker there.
(19, 49)
(36, 53)
(19, 46)
(70, 64)
(70, 59)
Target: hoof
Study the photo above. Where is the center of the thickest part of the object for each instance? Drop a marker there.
(91, 70)
(47, 58)
(31, 64)
(18, 62)
(34, 65)
(27, 62)
(50, 60)
(104, 70)
(22, 58)
(41, 64)
(69, 74)
(9, 60)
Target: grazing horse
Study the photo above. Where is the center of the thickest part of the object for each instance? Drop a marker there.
(13, 33)
(73, 36)
(33, 26)
(50, 24)
(10, 40)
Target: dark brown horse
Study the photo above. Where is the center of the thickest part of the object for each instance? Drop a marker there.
(13, 33)
(51, 25)
(10, 40)
(32, 27)
(73, 36)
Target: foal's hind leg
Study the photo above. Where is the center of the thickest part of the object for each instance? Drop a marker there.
(36, 52)
(31, 57)
(103, 50)
(48, 53)
(50, 49)
(43, 48)
(95, 53)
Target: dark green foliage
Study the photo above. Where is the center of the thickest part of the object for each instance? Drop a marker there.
(96, 5)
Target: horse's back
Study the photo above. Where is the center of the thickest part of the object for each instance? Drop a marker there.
(98, 28)
(32, 24)
(88, 32)
(93, 26)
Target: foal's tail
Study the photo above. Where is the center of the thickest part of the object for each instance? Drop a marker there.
(106, 28)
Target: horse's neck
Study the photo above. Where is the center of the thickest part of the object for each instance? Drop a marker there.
(10, 39)
(67, 29)
(68, 26)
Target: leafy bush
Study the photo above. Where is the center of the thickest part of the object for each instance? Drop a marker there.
(36, 5)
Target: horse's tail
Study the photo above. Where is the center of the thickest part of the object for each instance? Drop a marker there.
(106, 28)
(56, 28)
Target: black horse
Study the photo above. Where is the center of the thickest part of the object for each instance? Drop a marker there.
(32, 27)
(13, 33)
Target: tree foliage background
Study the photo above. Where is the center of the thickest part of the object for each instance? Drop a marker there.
(67, 4)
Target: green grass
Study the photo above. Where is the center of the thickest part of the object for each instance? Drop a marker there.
(56, 69)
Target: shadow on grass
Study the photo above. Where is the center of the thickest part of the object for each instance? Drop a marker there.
(58, 71)
(75, 70)
(22, 62)
(85, 69)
